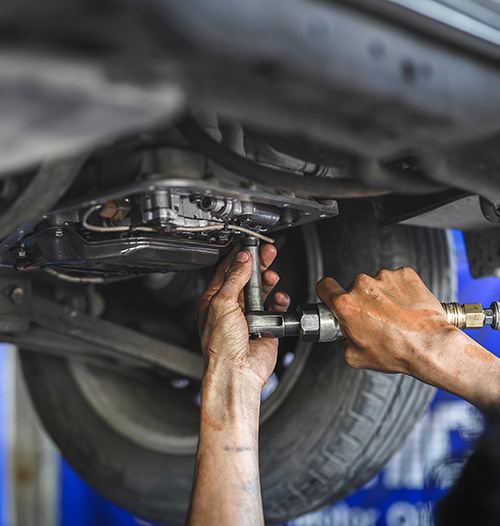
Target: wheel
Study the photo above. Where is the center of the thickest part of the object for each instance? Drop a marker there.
(326, 428)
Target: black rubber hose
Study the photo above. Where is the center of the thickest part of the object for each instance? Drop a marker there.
(324, 187)
(400, 182)
(48, 185)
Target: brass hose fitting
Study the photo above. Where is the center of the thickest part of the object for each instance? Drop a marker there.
(466, 316)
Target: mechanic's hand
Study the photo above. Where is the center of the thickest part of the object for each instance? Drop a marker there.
(222, 324)
(389, 322)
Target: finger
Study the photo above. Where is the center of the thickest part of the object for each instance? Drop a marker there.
(236, 278)
(328, 290)
(281, 302)
(201, 309)
(220, 274)
(269, 281)
(214, 285)
(268, 254)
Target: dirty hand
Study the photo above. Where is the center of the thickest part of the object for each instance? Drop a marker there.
(389, 322)
(236, 369)
(222, 324)
(393, 323)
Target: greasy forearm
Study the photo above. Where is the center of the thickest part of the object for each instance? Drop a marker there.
(456, 363)
(226, 487)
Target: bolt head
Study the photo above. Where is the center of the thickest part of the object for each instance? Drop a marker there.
(17, 296)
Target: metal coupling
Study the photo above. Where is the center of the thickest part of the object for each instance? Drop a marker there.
(277, 324)
(311, 323)
(329, 326)
(317, 323)
(466, 316)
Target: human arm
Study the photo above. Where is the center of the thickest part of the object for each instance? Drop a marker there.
(226, 487)
(393, 323)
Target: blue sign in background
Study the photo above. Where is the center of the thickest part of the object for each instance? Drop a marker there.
(401, 495)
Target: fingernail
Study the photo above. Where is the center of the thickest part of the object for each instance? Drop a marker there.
(285, 297)
(243, 256)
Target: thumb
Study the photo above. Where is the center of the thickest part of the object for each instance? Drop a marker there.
(237, 277)
(328, 290)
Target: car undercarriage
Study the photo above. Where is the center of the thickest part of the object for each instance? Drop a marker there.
(140, 141)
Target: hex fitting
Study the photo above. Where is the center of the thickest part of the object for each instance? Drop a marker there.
(317, 323)
(466, 316)
(309, 323)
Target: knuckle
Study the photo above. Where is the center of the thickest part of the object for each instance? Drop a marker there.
(407, 272)
(362, 281)
(384, 274)
(340, 301)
